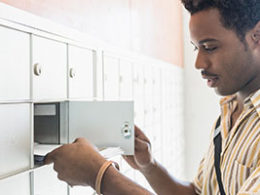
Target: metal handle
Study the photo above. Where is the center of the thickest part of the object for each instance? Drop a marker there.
(72, 73)
(126, 130)
(37, 69)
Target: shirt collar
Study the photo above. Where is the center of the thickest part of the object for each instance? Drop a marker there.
(252, 100)
(255, 100)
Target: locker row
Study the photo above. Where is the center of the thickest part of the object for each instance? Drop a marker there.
(39, 70)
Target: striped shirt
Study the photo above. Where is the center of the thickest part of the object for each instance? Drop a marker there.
(240, 157)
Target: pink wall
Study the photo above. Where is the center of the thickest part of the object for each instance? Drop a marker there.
(152, 27)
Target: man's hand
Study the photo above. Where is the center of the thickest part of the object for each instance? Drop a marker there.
(142, 160)
(77, 163)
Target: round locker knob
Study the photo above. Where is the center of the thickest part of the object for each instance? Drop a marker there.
(72, 73)
(37, 69)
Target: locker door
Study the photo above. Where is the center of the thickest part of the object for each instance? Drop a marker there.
(106, 124)
(49, 69)
(19, 184)
(157, 94)
(80, 72)
(46, 182)
(111, 78)
(15, 139)
(138, 95)
(126, 80)
(148, 95)
(14, 65)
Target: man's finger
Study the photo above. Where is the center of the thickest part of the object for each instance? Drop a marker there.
(48, 159)
(51, 156)
(141, 144)
(140, 134)
(80, 139)
(128, 157)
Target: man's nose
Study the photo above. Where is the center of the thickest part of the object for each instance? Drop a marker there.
(201, 62)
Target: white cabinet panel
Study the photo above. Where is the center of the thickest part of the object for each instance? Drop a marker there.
(80, 72)
(19, 184)
(14, 65)
(103, 123)
(111, 78)
(126, 80)
(46, 182)
(15, 138)
(49, 69)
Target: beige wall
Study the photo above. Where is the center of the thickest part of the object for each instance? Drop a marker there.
(153, 28)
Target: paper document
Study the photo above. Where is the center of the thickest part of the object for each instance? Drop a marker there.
(41, 150)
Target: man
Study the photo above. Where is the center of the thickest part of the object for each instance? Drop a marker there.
(226, 35)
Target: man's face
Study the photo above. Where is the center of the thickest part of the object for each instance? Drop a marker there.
(225, 62)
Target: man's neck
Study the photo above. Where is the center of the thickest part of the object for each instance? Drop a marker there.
(250, 88)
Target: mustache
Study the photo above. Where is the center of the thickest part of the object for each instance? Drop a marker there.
(206, 73)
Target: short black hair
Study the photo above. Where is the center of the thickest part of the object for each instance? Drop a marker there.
(238, 15)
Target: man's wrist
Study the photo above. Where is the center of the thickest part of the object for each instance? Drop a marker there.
(95, 171)
(147, 170)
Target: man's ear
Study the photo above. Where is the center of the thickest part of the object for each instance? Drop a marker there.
(256, 33)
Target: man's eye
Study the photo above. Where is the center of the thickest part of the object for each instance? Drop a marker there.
(210, 49)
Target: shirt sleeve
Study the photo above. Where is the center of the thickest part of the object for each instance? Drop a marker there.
(198, 180)
(252, 184)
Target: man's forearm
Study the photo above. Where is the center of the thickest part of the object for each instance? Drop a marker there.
(164, 184)
(114, 183)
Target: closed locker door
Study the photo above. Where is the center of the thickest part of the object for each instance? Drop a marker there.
(80, 72)
(157, 95)
(14, 65)
(111, 78)
(19, 184)
(138, 95)
(105, 124)
(15, 139)
(148, 95)
(126, 80)
(49, 69)
(46, 182)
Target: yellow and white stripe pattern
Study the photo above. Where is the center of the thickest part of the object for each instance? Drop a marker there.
(240, 157)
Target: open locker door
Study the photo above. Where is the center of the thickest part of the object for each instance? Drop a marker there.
(104, 123)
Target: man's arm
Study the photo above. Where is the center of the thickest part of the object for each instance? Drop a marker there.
(158, 177)
(163, 183)
(78, 164)
(114, 183)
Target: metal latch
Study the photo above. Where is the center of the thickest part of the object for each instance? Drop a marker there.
(126, 130)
